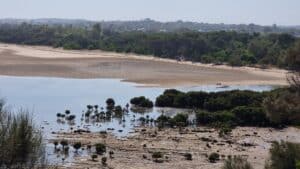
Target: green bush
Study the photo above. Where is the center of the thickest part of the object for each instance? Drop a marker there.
(157, 155)
(104, 161)
(110, 102)
(237, 162)
(284, 155)
(283, 107)
(100, 148)
(179, 120)
(141, 102)
(298, 165)
(188, 156)
(209, 101)
(118, 110)
(94, 156)
(214, 157)
(21, 142)
(77, 146)
(250, 116)
(204, 118)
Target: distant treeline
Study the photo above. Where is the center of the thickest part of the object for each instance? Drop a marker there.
(234, 48)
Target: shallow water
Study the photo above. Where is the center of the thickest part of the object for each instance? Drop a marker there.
(45, 97)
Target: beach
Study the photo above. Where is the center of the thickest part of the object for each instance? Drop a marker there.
(41, 61)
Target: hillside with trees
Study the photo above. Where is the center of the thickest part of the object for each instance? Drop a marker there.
(236, 49)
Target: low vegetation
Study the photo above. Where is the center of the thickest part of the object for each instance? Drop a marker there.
(100, 148)
(180, 120)
(21, 142)
(237, 162)
(284, 155)
(214, 157)
(141, 102)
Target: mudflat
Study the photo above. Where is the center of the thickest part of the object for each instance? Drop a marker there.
(135, 151)
(21, 60)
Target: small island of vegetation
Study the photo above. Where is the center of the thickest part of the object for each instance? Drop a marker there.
(141, 101)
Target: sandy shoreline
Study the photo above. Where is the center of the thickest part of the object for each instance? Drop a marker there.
(19, 60)
(200, 142)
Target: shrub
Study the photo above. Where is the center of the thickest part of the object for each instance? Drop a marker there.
(213, 157)
(77, 146)
(188, 156)
(224, 130)
(179, 119)
(100, 148)
(164, 101)
(141, 102)
(196, 99)
(21, 142)
(237, 162)
(284, 155)
(67, 112)
(64, 143)
(203, 117)
(283, 107)
(217, 104)
(104, 161)
(71, 118)
(298, 165)
(163, 119)
(110, 103)
(157, 155)
(94, 156)
(118, 110)
(250, 116)
(210, 101)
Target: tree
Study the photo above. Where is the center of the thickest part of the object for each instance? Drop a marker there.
(293, 62)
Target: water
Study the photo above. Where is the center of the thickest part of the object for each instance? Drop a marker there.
(45, 97)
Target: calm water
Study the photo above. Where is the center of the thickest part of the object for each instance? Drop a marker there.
(45, 97)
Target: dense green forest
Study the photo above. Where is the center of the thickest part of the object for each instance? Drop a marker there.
(234, 48)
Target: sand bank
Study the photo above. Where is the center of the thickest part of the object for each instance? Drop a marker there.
(19, 60)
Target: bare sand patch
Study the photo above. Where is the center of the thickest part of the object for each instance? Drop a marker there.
(19, 60)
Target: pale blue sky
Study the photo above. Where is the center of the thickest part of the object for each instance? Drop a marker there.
(266, 12)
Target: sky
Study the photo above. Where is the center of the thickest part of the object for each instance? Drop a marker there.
(263, 12)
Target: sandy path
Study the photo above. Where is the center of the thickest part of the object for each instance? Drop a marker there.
(17, 60)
